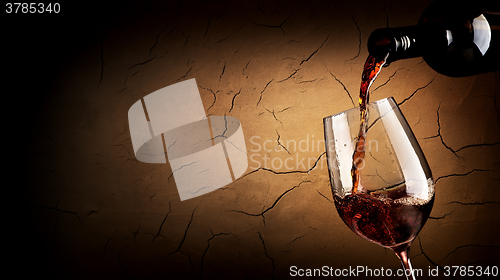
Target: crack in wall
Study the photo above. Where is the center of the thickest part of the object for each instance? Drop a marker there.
(139, 228)
(310, 81)
(245, 68)
(157, 40)
(151, 197)
(185, 233)
(260, 9)
(342, 84)
(440, 218)
(223, 134)
(473, 203)
(279, 143)
(439, 133)
(214, 94)
(417, 90)
(274, 116)
(208, 24)
(267, 254)
(462, 148)
(386, 15)
(105, 246)
(63, 211)
(296, 238)
(467, 246)
(460, 174)
(272, 205)
(125, 270)
(142, 63)
(329, 5)
(286, 172)
(221, 74)
(186, 37)
(185, 165)
(428, 258)
(262, 92)
(312, 54)
(208, 247)
(289, 107)
(185, 75)
(164, 29)
(477, 145)
(295, 71)
(234, 97)
(324, 196)
(222, 40)
(163, 222)
(171, 145)
(388, 80)
(280, 26)
(359, 38)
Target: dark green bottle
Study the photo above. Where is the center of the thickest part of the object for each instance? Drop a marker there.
(455, 38)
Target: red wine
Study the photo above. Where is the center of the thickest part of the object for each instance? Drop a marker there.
(370, 71)
(389, 222)
(389, 218)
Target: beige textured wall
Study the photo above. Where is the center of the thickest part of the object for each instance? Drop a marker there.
(90, 210)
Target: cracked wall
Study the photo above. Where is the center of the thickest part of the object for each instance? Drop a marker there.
(88, 209)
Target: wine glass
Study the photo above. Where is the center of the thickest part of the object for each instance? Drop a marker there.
(391, 198)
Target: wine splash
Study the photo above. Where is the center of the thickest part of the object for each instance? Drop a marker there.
(384, 217)
(372, 68)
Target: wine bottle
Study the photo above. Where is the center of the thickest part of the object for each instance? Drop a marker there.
(455, 38)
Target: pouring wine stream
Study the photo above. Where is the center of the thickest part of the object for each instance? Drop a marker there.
(371, 69)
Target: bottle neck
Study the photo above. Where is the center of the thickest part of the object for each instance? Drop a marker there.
(408, 42)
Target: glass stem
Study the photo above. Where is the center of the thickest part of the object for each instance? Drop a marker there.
(404, 256)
